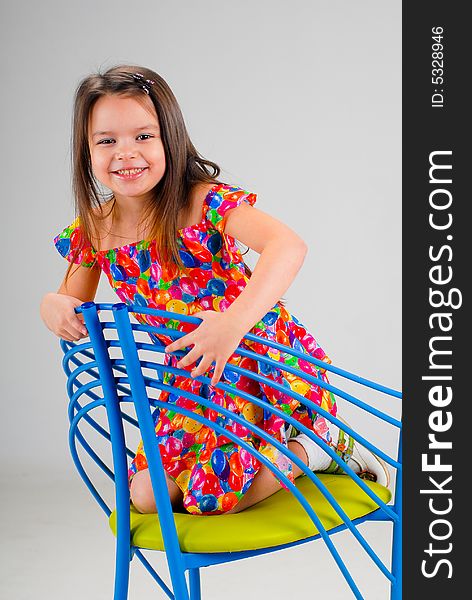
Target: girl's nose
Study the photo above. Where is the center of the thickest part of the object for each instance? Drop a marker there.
(126, 150)
(126, 154)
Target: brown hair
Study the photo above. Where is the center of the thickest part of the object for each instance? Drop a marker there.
(185, 167)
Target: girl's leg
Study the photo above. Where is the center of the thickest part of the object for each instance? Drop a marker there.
(265, 484)
(142, 495)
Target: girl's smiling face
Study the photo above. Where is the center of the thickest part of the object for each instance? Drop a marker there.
(125, 146)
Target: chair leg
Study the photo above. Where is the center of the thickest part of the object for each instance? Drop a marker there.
(122, 561)
(396, 588)
(195, 585)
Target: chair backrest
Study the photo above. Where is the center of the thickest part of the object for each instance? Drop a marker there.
(118, 369)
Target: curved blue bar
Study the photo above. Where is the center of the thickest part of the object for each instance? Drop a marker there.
(134, 308)
(269, 361)
(78, 463)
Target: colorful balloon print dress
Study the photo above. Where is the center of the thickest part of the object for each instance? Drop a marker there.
(212, 471)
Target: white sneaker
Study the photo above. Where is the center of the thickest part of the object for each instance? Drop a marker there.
(369, 466)
(362, 461)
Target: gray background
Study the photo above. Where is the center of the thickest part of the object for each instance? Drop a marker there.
(299, 103)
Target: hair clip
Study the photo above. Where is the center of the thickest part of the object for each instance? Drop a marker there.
(144, 83)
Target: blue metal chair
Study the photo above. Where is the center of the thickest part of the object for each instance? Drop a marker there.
(106, 373)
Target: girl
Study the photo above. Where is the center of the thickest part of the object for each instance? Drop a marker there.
(164, 235)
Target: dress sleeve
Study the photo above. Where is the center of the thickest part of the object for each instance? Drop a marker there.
(72, 245)
(224, 198)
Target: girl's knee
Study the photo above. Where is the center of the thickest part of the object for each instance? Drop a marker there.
(142, 495)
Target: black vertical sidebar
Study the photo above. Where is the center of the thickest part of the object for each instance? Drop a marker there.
(437, 326)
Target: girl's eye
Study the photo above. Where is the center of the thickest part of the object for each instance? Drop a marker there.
(145, 135)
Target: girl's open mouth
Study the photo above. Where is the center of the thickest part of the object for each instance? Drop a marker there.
(129, 173)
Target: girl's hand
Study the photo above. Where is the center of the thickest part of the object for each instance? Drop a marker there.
(57, 312)
(215, 339)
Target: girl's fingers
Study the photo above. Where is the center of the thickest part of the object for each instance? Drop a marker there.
(78, 328)
(77, 324)
(73, 332)
(202, 368)
(83, 329)
(217, 375)
(67, 335)
(191, 357)
(179, 344)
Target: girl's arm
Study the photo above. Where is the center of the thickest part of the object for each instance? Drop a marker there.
(57, 310)
(282, 253)
(82, 283)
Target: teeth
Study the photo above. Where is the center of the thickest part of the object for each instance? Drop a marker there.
(129, 171)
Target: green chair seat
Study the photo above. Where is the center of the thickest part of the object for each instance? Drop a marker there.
(279, 519)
